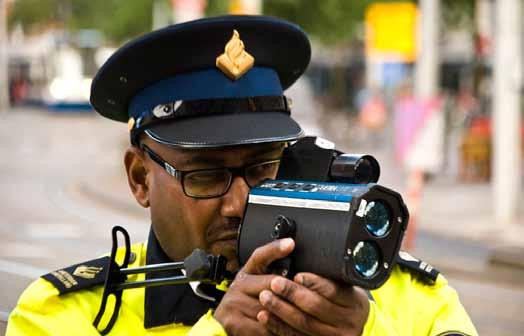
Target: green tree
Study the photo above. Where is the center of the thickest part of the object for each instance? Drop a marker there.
(458, 13)
(32, 13)
(330, 21)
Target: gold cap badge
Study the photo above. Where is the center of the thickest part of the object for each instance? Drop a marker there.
(235, 61)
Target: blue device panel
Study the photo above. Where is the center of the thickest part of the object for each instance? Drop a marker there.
(328, 191)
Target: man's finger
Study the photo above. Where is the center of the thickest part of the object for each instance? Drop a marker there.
(275, 325)
(250, 327)
(293, 316)
(263, 256)
(308, 300)
(237, 313)
(340, 295)
(251, 284)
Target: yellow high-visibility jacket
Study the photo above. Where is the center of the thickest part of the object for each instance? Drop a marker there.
(403, 306)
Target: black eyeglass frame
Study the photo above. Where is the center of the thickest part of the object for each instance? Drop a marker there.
(180, 174)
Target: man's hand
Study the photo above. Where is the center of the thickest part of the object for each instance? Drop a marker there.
(238, 310)
(312, 305)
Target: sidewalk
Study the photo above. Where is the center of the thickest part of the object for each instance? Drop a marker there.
(471, 242)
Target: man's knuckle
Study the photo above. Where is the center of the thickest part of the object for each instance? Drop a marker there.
(289, 289)
(241, 275)
(303, 322)
(229, 323)
(258, 256)
(331, 290)
(259, 252)
(306, 281)
(237, 283)
(274, 325)
(313, 306)
(280, 328)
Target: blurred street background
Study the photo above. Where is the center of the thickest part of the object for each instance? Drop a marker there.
(432, 88)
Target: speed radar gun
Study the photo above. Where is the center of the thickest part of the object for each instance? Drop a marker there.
(345, 226)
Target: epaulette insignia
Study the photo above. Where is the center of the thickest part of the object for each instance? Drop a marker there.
(421, 269)
(79, 276)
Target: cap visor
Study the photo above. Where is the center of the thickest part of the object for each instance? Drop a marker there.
(227, 130)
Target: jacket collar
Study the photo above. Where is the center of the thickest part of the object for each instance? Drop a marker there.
(169, 304)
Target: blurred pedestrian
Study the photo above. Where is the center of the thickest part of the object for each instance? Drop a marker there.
(372, 114)
(18, 88)
(419, 142)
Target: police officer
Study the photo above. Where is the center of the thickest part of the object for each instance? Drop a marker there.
(208, 120)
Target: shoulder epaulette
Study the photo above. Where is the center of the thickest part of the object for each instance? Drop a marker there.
(80, 276)
(420, 269)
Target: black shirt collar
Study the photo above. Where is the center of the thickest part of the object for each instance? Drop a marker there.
(169, 304)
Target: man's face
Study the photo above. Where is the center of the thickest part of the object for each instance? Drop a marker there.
(182, 223)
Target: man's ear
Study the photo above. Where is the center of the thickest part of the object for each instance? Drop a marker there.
(137, 175)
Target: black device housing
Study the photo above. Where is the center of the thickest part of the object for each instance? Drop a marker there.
(306, 160)
(325, 239)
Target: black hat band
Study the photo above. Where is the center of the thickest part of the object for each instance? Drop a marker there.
(207, 107)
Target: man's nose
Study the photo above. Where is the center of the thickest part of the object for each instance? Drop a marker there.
(234, 201)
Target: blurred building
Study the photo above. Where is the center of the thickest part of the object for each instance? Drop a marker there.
(54, 68)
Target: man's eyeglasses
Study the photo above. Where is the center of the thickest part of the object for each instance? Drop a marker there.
(209, 183)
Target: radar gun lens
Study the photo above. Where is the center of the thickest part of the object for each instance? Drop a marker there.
(376, 218)
(366, 258)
